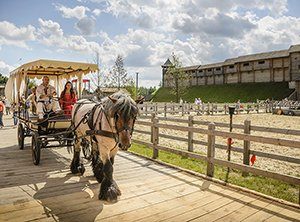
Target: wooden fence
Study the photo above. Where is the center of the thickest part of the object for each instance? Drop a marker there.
(204, 108)
(211, 132)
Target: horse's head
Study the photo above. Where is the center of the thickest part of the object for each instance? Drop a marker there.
(123, 113)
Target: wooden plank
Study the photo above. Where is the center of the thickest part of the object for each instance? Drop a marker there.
(183, 153)
(142, 131)
(210, 151)
(265, 213)
(225, 209)
(245, 211)
(201, 209)
(287, 214)
(186, 206)
(276, 130)
(257, 171)
(173, 137)
(259, 139)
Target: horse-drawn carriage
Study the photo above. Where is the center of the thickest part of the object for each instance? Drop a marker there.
(55, 130)
(108, 124)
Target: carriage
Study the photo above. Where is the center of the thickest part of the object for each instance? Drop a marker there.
(55, 130)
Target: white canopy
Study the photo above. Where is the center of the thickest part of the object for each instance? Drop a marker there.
(55, 70)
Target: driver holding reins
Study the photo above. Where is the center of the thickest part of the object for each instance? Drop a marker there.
(44, 95)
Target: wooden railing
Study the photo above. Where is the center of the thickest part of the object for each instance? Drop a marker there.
(211, 132)
(204, 108)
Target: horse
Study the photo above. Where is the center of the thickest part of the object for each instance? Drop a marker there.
(109, 124)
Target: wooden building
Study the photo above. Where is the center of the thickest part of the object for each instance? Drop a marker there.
(275, 66)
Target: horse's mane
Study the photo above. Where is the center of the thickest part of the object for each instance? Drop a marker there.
(124, 105)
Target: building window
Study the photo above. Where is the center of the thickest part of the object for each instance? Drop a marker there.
(218, 69)
(209, 70)
(261, 62)
(231, 66)
(246, 64)
(201, 71)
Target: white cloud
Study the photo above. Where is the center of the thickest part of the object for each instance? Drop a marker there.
(198, 31)
(51, 34)
(76, 12)
(86, 26)
(270, 34)
(96, 12)
(5, 68)
(12, 35)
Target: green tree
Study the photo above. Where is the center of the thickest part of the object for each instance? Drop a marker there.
(176, 78)
(3, 79)
(119, 76)
(130, 87)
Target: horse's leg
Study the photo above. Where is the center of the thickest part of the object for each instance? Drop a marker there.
(97, 164)
(112, 160)
(108, 190)
(76, 165)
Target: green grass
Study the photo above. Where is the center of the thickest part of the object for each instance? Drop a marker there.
(263, 185)
(246, 92)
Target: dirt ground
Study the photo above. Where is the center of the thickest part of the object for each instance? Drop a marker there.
(266, 120)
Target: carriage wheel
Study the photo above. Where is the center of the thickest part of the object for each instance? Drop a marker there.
(21, 136)
(35, 149)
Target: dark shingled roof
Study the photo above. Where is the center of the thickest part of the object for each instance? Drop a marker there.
(168, 63)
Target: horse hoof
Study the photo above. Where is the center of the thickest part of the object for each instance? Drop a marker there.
(81, 169)
(114, 184)
(78, 169)
(111, 195)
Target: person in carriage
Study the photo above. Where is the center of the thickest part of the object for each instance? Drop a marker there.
(67, 98)
(45, 94)
(32, 100)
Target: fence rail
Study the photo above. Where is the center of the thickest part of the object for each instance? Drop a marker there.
(204, 108)
(211, 132)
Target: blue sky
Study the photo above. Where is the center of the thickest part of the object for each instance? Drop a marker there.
(145, 33)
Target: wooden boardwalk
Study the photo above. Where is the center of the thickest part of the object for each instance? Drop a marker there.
(150, 192)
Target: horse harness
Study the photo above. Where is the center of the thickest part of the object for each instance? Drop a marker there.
(89, 119)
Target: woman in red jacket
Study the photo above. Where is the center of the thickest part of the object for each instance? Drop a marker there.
(67, 98)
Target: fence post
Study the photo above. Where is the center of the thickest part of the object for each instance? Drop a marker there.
(225, 109)
(182, 109)
(208, 108)
(165, 109)
(210, 150)
(155, 138)
(246, 153)
(190, 135)
(152, 119)
(146, 108)
(257, 108)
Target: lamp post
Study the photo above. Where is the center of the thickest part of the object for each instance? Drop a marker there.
(136, 84)
(229, 140)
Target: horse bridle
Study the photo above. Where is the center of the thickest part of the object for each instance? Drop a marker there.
(118, 130)
(104, 133)
(125, 126)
